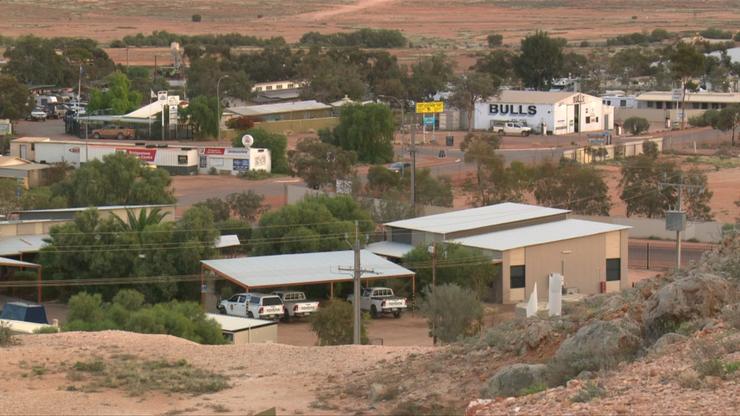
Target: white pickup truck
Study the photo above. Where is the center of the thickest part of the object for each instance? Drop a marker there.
(295, 304)
(510, 128)
(253, 305)
(380, 300)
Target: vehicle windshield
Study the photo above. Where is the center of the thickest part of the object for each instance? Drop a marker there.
(271, 301)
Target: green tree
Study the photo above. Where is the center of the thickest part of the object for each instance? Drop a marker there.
(120, 179)
(687, 62)
(41, 198)
(137, 225)
(314, 224)
(494, 40)
(8, 197)
(430, 190)
(381, 181)
(498, 64)
(644, 193)
(246, 204)
(452, 312)
(429, 76)
(367, 130)
(458, 265)
(470, 88)
(578, 188)
(333, 324)
(332, 79)
(320, 164)
(15, 99)
(202, 114)
(540, 60)
(117, 97)
(727, 119)
(631, 62)
(636, 125)
(219, 208)
(275, 142)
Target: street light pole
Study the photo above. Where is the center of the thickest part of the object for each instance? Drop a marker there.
(218, 106)
(412, 149)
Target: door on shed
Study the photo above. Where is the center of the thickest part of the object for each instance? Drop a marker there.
(577, 119)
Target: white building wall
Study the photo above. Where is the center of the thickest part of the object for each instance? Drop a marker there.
(483, 117)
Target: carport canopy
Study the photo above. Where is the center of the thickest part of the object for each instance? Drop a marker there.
(303, 269)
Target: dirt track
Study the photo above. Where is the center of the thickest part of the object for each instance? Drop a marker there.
(261, 375)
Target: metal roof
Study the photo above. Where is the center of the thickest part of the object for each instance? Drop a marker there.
(390, 249)
(532, 97)
(470, 219)
(16, 263)
(277, 108)
(693, 97)
(16, 245)
(101, 208)
(301, 269)
(236, 324)
(229, 240)
(538, 234)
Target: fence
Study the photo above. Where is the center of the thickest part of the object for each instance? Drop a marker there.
(661, 255)
(706, 232)
(589, 154)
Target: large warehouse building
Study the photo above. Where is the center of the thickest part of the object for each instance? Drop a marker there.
(552, 112)
(526, 243)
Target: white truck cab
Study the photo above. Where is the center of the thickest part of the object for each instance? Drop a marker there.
(253, 305)
(380, 300)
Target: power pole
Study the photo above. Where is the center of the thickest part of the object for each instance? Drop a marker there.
(434, 288)
(680, 186)
(413, 163)
(357, 271)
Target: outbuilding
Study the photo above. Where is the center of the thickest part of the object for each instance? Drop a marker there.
(27, 174)
(239, 330)
(544, 111)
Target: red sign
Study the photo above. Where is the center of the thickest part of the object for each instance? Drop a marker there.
(74, 150)
(147, 155)
(214, 151)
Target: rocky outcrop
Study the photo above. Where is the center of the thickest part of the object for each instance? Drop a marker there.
(511, 380)
(689, 297)
(664, 343)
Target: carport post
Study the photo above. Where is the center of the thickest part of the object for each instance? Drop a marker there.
(413, 289)
(38, 284)
(331, 290)
(202, 282)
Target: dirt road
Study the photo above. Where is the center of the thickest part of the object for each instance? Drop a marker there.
(359, 6)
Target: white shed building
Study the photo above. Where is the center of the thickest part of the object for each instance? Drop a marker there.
(234, 159)
(553, 112)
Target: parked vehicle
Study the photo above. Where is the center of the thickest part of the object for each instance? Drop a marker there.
(296, 305)
(380, 300)
(27, 312)
(399, 167)
(38, 114)
(113, 132)
(253, 305)
(510, 128)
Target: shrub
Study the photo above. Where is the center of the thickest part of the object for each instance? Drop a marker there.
(333, 324)
(451, 312)
(715, 33)
(708, 118)
(196, 18)
(6, 336)
(46, 330)
(241, 123)
(636, 125)
(588, 392)
(494, 39)
(650, 149)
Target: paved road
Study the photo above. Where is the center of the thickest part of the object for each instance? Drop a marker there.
(661, 255)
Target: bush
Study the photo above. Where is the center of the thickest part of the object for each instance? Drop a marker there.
(737, 37)
(452, 312)
(650, 149)
(241, 123)
(588, 392)
(46, 330)
(494, 39)
(708, 118)
(333, 324)
(196, 18)
(636, 125)
(715, 33)
(6, 336)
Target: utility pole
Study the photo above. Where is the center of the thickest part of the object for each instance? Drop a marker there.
(357, 272)
(218, 106)
(413, 163)
(680, 186)
(434, 288)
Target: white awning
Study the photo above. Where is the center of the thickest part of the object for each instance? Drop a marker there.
(303, 269)
(390, 249)
(16, 263)
(16, 245)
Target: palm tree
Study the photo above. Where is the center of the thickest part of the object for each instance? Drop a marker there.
(138, 224)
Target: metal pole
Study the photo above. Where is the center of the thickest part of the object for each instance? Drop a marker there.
(218, 106)
(678, 232)
(356, 338)
(413, 164)
(434, 289)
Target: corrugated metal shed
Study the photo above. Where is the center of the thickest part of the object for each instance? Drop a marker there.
(230, 240)
(299, 269)
(469, 219)
(236, 323)
(538, 234)
(16, 245)
(278, 108)
(531, 97)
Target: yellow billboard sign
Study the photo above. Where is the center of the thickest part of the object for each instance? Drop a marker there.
(430, 107)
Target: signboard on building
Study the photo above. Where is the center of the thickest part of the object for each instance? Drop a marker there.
(430, 107)
(513, 109)
(173, 114)
(146, 155)
(213, 150)
(240, 165)
(429, 120)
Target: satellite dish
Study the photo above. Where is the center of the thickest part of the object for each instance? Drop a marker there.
(247, 140)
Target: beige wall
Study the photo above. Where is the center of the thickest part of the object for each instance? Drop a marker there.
(256, 335)
(585, 265)
(27, 228)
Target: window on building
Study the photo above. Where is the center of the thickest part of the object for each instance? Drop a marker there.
(258, 89)
(704, 106)
(268, 88)
(715, 106)
(291, 85)
(182, 159)
(695, 106)
(588, 119)
(597, 119)
(650, 104)
(279, 87)
(516, 276)
(659, 104)
(613, 270)
(623, 103)
(400, 235)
